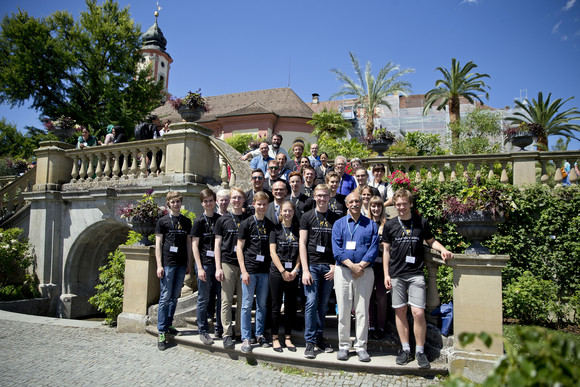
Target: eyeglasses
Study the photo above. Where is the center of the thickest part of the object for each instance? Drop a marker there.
(274, 168)
(257, 177)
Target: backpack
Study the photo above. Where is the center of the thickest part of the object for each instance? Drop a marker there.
(143, 131)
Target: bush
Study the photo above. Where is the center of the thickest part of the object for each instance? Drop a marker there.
(342, 147)
(240, 142)
(17, 278)
(530, 299)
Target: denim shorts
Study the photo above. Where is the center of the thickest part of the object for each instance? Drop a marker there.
(409, 290)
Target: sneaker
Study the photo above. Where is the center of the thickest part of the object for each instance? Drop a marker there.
(342, 354)
(228, 342)
(322, 346)
(218, 334)
(309, 351)
(422, 360)
(206, 338)
(263, 342)
(162, 344)
(172, 331)
(363, 356)
(253, 341)
(246, 347)
(404, 357)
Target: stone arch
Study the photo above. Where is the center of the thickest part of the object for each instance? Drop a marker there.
(87, 254)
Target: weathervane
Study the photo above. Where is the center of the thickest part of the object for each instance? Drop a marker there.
(157, 12)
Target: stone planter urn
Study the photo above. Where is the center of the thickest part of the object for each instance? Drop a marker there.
(381, 145)
(190, 114)
(63, 133)
(145, 229)
(521, 140)
(477, 226)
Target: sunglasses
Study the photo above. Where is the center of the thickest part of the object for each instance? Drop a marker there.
(273, 167)
(257, 177)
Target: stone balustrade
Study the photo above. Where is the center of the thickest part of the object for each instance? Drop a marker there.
(518, 168)
(11, 199)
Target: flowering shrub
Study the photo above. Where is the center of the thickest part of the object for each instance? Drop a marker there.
(145, 210)
(400, 179)
(535, 129)
(16, 257)
(378, 134)
(63, 122)
(191, 100)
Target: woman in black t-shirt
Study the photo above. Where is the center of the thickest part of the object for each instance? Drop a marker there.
(284, 274)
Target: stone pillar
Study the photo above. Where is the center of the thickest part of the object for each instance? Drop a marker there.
(477, 307)
(53, 167)
(141, 287)
(190, 157)
(524, 167)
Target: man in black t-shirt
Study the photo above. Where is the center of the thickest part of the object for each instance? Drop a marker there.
(258, 186)
(317, 263)
(227, 266)
(208, 287)
(253, 252)
(403, 238)
(173, 257)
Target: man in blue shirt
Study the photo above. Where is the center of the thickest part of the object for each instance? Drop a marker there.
(347, 183)
(355, 245)
(261, 161)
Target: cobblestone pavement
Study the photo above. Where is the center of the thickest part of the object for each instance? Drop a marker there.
(34, 354)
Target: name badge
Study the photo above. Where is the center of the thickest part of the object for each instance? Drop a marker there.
(210, 253)
(410, 259)
(235, 248)
(320, 249)
(173, 249)
(260, 258)
(351, 245)
(287, 265)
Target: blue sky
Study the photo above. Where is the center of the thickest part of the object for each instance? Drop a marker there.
(224, 46)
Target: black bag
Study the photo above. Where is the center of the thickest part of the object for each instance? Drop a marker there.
(144, 131)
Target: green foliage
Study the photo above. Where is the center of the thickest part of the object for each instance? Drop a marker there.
(85, 69)
(426, 144)
(401, 148)
(347, 148)
(16, 144)
(240, 141)
(530, 299)
(329, 123)
(534, 357)
(476, 132)
(17, 278)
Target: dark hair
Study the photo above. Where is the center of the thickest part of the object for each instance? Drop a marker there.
(152, 118)
(206, 193)
(257, 170)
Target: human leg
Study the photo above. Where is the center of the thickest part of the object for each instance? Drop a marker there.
(171, 284)
(343, 284)
(361, 294)
(262, 288)
(325, 290)
(311, 308)
(203, 294)
(247, 300)
(276, 293)
(290, 305)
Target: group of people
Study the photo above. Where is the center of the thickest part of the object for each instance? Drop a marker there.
(301, 238)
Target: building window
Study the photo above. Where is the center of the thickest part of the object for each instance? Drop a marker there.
(162, 64)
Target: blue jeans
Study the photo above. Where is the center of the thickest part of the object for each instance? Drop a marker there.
(317, 296)
(171, 285)
(258, 284)
(205, 290)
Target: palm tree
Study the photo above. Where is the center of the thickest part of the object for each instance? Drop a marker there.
(329, 123)
(371, 92)
(457, 83)
(545, 114)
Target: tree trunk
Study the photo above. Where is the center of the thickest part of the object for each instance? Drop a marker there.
(454, 113)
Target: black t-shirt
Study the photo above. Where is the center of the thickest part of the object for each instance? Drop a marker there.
(336, 204)
(249, 203)
(299, 202)
(204, 229)
(309, 191)
(175, 231)
(286, 241)
(256, 234)
(406, 241)
(227, 227)
(319, 227)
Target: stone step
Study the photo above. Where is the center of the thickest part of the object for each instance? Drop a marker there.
(381, 362)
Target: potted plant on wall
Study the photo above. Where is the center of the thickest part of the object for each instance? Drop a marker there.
(522, 135)
(142, 216)
(191, 107)
(63, 127)
(477, 210)
(380, 140)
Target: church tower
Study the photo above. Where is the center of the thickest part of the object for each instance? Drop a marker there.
(153, 52)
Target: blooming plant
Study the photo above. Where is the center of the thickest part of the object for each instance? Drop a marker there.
(535, 129)
(480, 195)
(400, 179)
(191, 100)
(145, 210)
(379, 134)
(63, 122)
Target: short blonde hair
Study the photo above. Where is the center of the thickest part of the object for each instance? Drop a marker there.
(172, 195)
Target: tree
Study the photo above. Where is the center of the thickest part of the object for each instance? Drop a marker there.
(476, 133)
(85, 69)
(547, 116)
(460, 82)
(329, 123)
(16, 144)
(371, 92)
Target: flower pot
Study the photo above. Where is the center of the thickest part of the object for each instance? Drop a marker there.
(521, 140)
(190, 114)
(145, 229)
(63, 133)
(381, 145)
(477, 226)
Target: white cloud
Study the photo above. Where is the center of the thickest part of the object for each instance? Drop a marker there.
(569, 4)
(477, 2)
(555, 28)
(565, 37)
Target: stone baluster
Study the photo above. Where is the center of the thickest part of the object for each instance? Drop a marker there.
(441, 167)
(125, 167)
(465, 164)
(433, 300)
(91, 168)
(477, 166)
(75, 169)
(504, 176)
(154, 166)
(133, 171)
(544, 178)
(162, 164)
(116, 165)
(558, 175)
(143, 166)
(83, 172)
(107, 170)
(572, 175)
(99, 171)
(429, 171)
(453, 166)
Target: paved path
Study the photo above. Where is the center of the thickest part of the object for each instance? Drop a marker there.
(41, 351)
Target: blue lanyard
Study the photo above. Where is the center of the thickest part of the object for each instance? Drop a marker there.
(178, 227)
(208, 224)
(355, 227)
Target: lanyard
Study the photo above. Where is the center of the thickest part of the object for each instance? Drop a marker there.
(408, 233)
(259, 233)
(235, 223)
(357, 223)
(178, 227)
(208, 224)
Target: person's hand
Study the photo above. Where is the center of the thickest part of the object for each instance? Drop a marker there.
(306, 278)
(246, 278)
(446, 255)
(160, 272)
(201, 274)
(329, 276)
(219, 274)
(388, 284)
